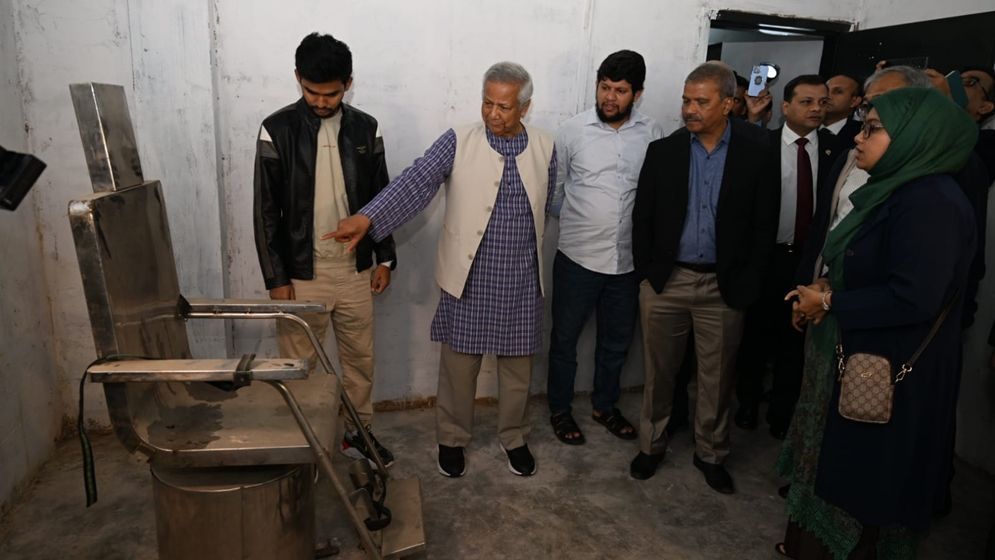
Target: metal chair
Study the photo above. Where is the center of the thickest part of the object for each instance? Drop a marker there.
(232, 443)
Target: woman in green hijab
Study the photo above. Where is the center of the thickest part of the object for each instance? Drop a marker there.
(861, 490)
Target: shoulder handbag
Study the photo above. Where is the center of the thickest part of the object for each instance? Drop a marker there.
(867, 388)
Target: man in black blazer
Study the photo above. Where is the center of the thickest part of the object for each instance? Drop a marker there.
(704, 223)
(845, 95)
(801, 153)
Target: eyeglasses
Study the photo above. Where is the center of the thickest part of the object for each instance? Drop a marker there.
(971, 81)
(869, 128)
(860, 113)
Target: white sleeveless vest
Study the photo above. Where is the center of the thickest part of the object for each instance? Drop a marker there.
(471, 192)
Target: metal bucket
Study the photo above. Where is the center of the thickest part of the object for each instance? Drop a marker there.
(242, 513)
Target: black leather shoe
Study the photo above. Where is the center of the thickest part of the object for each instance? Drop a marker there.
(783, 491)
(746, 416)
(716, 476)
(644, 465)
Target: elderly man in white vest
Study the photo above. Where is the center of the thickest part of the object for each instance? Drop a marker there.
(498, 176)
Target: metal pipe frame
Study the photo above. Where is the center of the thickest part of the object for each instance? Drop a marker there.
(325, 463)
(326, 364)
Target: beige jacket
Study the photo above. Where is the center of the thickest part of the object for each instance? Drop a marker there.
(471, 192)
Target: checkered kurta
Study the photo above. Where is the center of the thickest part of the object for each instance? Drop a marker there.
(501, 309)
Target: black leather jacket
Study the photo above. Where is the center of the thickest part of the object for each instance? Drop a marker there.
(283, 206)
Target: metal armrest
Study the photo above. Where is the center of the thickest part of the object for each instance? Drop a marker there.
(258, 309)
(244, 308)
(155, 371)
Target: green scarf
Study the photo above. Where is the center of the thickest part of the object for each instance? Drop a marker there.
(929, 134)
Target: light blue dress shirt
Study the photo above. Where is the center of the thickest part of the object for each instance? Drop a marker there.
(704, 182)
(596, 188)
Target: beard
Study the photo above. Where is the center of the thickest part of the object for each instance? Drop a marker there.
(324, 113)
(621, 115)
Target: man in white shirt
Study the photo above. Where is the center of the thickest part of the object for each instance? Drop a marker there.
(600, 153)
(803, 153)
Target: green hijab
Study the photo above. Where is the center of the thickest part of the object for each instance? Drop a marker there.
(929, 134)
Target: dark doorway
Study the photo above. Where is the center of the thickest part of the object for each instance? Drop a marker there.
(796, 46)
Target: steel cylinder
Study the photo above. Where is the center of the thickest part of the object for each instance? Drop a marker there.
(237, 513)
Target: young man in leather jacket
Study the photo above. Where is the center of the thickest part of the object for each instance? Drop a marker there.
(317, 161)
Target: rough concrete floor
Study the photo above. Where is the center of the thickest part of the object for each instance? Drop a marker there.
(581, 504)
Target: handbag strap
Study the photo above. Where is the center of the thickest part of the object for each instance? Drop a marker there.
(907, 366)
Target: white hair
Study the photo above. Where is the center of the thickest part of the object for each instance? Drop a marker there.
(511, 73)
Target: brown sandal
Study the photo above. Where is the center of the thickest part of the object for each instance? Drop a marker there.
(616, 424)
(564, 426)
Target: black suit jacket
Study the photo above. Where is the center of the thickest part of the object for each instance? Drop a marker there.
(746, 217)
(843, 142)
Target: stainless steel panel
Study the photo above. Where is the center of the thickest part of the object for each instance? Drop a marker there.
(129, 278)
(108, 137)
(249, 513)
(406, 533)
(156, 371)
(207, 307)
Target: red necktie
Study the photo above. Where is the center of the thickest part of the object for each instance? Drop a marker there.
(805, 205)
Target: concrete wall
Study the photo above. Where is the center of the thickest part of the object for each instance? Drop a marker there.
(30, 405)
(201, 75)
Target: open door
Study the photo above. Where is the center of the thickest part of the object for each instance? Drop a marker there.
(947, 44)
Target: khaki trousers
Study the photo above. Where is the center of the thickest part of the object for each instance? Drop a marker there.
(458, 388)
(689, 299)
(349, 301)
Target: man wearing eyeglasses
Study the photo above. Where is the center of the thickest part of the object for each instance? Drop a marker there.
(979, 85)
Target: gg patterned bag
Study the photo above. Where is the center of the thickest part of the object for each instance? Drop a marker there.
(867, 387)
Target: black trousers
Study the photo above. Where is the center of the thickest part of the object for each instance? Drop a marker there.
(768, 338)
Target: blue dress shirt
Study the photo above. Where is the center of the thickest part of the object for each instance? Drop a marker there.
(704, 182)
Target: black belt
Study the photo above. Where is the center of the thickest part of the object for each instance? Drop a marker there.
(697, 267)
